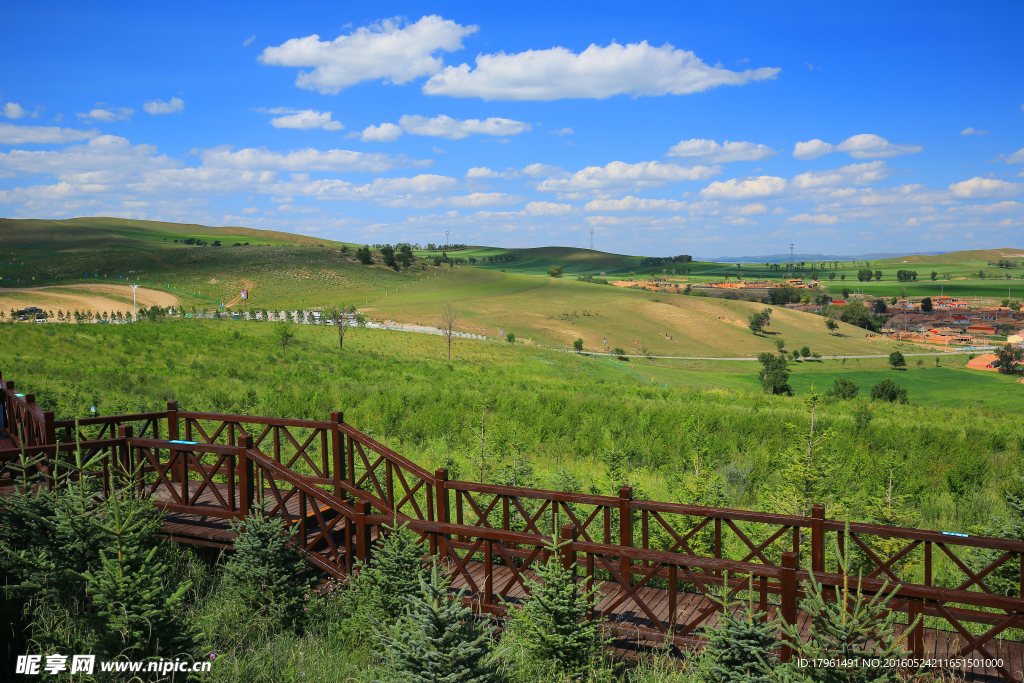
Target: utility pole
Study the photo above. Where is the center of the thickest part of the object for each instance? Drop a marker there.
(791, 259)
(446, 240)
(591, 239)
(135, 308)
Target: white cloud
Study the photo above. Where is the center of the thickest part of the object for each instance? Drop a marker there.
(982, 209)
(108, 115)
(250, 209)
(19, 135)
(714, 153)
(438, 150)
(1015, 158)
(160, 107)
(13, 110)
(985, 187)
(597, 72)
(385, 132)
(387, 50)
(752, 209)
(103, 160)
(248, 41)
(453, 129)
(973, 131)
(621, 174)
(303, 160)
(818, 219)
(304, 119)
(548, 209)
(864, 146)
(538, 170)
(561, 131)
(853, 174)
(762, 186)
(379, 189)
(482, 199)
(630, 203)
(481, 172)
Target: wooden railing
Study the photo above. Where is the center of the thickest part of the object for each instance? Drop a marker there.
(338, 489)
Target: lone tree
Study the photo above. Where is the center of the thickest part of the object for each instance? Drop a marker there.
(284, 335)
(578, 345)
(364, 255)
(832, 325)
(889, 391)
(556, 271)
(343, 317)
(897, 361)
(449, 316)
(1007, 355)
(774, 375)
(926, 304)
(757, 322)
(842, 388)
(780, 345)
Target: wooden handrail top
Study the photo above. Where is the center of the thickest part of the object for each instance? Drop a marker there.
(539, 494)
(720, 513)
(253, 419)
(475, 532)
(189, 447)
(109, 419)
(1006, 544)
(67, 446)
(297, 481)
(381, 449)
(679, 559)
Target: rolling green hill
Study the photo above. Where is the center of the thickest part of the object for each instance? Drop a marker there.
(104, 233)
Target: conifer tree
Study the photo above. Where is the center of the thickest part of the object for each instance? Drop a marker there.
(438, 640)
(738, 646)
(847, 630)
(267, 572)
(552, 622)
(380, 589)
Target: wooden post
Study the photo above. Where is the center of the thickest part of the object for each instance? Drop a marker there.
(567, 552)
(49, 431)
(246, 477)
(362, 531)
(441, 512)
(916, 639)
(788, 606)
(172, 421)
(625, 531)
(818, 538)
(337, 461)
(351, 461)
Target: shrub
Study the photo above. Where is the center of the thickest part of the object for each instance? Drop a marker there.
(556, 271)
(510, 337)
(843, 388)
(620, 352)
(739, 645)
(897, 361)
(889, 391)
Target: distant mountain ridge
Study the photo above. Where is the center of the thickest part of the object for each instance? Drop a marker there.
(784, 258)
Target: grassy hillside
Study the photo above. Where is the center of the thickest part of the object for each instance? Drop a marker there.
(102, 233)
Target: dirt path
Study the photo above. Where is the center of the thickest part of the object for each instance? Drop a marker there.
(93, 297)
(249, 285)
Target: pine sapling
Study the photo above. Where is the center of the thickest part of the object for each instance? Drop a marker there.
(438, 640)
(739, 646)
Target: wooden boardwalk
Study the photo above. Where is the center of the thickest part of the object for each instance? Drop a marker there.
(940, 644)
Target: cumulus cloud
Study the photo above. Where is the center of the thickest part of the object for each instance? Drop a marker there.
(982, 209)
(714, 153)
(385, 132)
(13, 110)
(985, 187)
(762, 186)
(303, 119)
(973, 131)
(303, 160)
(561, 131)
(631, 203)
(1015, 158)
(19, 135)
(864, 146)
(853, 174)
(160, 107)
(817, 219)
(106, 114)
(548, 209)
(454, 129)
(384, 51)
(538, 170)
(532, 170)
(752, 209)
(621, 174)
(596, 73)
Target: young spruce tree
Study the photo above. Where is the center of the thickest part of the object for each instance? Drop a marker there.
(552, 623)
(738, 646)
(438, 640)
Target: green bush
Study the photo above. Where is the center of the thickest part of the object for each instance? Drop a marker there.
(889, 391)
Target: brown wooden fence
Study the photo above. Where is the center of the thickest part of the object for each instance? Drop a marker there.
(653, 562)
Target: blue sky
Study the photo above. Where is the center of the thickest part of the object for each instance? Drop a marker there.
(705, 128)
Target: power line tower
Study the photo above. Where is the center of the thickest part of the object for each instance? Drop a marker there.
(591, 239)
